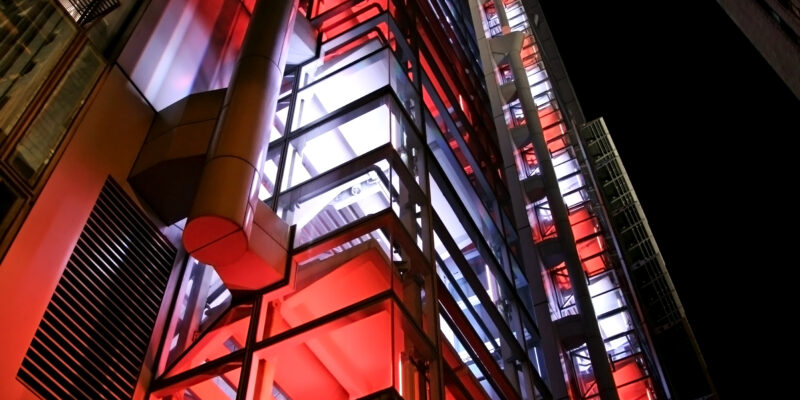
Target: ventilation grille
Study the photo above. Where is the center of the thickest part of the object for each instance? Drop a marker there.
(93, 336)
(86, 11)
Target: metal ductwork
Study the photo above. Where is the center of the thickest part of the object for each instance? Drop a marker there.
(228, 227)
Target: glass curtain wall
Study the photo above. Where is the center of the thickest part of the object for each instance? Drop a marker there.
(50, 61)
(402, 275)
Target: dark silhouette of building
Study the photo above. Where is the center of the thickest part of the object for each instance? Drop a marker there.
(774, 29)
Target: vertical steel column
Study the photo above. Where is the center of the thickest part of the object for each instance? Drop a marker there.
(554, 374)
(594, 340)
(220, 226)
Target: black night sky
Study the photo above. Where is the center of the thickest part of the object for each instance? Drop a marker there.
(703, 125)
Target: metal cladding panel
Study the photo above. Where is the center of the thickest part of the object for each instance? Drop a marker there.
(92, 339)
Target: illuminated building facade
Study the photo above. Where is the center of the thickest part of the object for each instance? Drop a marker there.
(316, 199)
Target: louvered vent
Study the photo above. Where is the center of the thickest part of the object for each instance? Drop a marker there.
(86, 11)
(93, 336)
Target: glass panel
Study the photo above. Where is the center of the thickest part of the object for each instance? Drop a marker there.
(407, 93)
(584, 374)
(269, 173)
(521, 284)
(473, 309)
(362, 352)
(455, 344)
(278, 129)
(615, 324)
(326, 285)
(622, 346)
(201, 303)
(372, 257)
(345, 137)
(344, 202)
(453, 174)
(333, 24)
(608, 301)
(36, 148)
(9, 205)
(342, 88)
(631, 377)
(337, 142)
(348, 194)
(34, 35)
(499, 295)
(221, 385)
(345, 49)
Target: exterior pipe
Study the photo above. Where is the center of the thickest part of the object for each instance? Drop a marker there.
(594, 340)
(221, 229)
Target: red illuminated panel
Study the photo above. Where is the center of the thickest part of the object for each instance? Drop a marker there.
(591, 252)
(630, 378)
(631, 381)
(363, 276)
(560, 277)
(557, 144)
(549, 116)
(554, 131)
(431, 106)
(594, 265)
(426, 67)
(378, 33)
(583, 224)
(345, 18)
(219, 386)
(348, 358)
(304, 376)
(358, 356)
(230, 332)
(529, 156)
(324, 6)
(528, 52)
(448, 395)
(466, 381)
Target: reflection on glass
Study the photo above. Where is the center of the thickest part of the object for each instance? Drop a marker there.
(34, 34)
(278, 128)
(339, 53)
(36, 148)
(342, 88)
(473, 309)
(351, 192)
(352, 83)
(454, 344)
(348, 136)
(630, 375)
(344, 203)
(269, 173)
(202, 300)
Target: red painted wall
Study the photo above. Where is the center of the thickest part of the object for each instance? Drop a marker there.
(106, 142)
